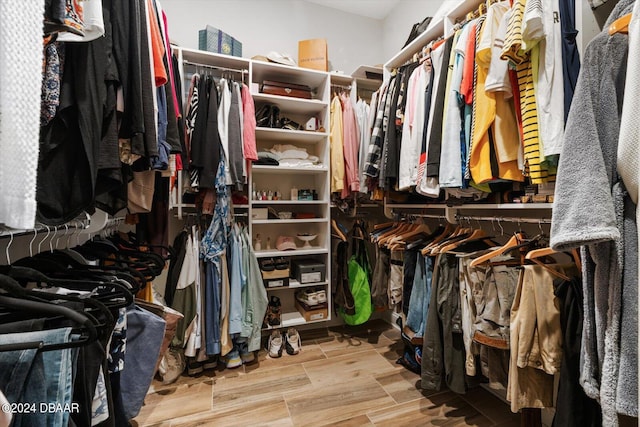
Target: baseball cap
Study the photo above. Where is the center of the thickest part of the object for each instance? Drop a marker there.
(285, 243)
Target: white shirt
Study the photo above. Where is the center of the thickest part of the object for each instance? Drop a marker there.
(550, 83)
(412, 129)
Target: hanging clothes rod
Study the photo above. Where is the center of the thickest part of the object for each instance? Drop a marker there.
(77, 224)
(215, 67)
(505, 219)
(341, 86)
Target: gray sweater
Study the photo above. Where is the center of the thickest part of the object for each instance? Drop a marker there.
(589, 211)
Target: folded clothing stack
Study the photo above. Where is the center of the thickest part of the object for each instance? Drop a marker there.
(288, 155)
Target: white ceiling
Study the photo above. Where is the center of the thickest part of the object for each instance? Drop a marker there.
(377, 9)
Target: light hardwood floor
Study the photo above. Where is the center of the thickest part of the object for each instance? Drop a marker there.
(343, 377)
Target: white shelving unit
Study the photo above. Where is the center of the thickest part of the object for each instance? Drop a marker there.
(284, 178)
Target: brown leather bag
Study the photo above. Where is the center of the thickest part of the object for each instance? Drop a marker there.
(285, 89)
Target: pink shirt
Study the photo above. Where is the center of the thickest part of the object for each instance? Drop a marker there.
(351, 141)
(249, 125)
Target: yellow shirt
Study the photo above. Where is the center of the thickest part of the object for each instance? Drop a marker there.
(336, 147)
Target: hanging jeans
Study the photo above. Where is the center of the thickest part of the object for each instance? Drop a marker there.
(34, 377)
(380, 278)
(409, 269)
(420, 295)
(212, 306)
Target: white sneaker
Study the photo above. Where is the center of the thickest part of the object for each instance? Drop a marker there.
(292, 344)
(275, 344)
(308, 296)
(321, 296)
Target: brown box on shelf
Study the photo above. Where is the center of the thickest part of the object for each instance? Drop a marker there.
(285, 89)
(312, 54)
(275, 278)
(318, 312)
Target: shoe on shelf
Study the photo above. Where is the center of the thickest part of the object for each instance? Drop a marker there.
(321, 296)
(267, 264)
(174, 365)
(281, 263)
(233, 360)
(308, 296)
(275, 310)
(292, 342)
(274, 346)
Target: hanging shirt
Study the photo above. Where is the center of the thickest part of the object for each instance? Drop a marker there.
(550, 81)
(362, 114)
(223, 123)
(336, 146)
(512, 51)
(374, 153)
(413, 127)
(236, 160)
(351, 143)
(493, 134)
(249, 125)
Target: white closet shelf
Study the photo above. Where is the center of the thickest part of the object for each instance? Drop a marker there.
(294, 284)
(314, 250)
(287, 169)
(341, 79)
(288, 202)
(288, 104)
(240, 206)
(220, 60)
(286, 135)
(284, 73)
(294, 318)
(436, 30)
(290, 221)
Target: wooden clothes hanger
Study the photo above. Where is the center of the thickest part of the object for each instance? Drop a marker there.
(514, 241)
(536, 254)
(336, 229)
(620, 25)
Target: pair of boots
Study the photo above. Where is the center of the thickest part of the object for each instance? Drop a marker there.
(274, 312)
(268, 116)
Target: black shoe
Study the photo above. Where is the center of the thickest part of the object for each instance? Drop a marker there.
(263, 116)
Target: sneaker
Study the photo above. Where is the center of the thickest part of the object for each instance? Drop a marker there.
(233, 360)
(308, 296)
(275, 344)
(321, 296)
(247, 357)
(292, 342)
(175, 365)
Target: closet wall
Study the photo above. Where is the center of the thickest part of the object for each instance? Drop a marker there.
(278, 25)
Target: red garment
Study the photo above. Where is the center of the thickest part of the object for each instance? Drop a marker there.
(157, 46)
(249, 125)
(351, 141)
(466, 87)
(176, 105)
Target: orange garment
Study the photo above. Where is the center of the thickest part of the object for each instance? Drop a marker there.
(504, 129)
(157, 46)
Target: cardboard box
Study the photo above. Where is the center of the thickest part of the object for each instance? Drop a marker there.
(212, 39)
(313, 54)
(314, 314)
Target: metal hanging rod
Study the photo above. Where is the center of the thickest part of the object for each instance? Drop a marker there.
(76, 224)
(341, 86)
(505, 219)
(215, 67)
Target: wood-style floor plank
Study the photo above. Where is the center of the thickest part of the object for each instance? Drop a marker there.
(269, 412)
(490, 406)
(319, 406)
(256, 386)
(342, 369)
(310, 352)
(180, 401)
(443, 409)
(402, 385)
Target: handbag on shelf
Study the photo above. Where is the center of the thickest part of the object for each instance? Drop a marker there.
(417, 29)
